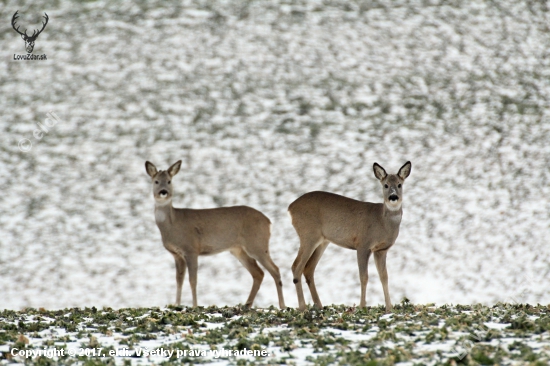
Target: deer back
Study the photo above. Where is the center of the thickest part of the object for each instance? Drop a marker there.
(211, 231)
(342, 220)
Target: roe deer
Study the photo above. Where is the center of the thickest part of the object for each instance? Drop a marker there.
(322, 217)
(188, 233)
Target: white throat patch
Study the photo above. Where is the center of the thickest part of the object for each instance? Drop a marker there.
(162, 202)
(160, 216)
(393, 207)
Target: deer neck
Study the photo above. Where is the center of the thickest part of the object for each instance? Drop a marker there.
(164, 214)
(392, 217)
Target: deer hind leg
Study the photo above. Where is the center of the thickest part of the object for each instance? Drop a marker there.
(310, 269)
(380, 260)
(181, 266)
(307, 247)
(266, 261)
(256, 245)
(257, 274)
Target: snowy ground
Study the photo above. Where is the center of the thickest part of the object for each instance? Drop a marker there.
(412, 335)
(264, 103)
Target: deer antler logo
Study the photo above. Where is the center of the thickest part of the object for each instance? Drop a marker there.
(29, 40)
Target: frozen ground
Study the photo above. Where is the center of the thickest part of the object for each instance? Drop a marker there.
(503, 334)
(264, 103)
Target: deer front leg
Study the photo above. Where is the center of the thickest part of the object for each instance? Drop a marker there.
(363, 255)
(380, 260)
(181, 266)
(193, 265)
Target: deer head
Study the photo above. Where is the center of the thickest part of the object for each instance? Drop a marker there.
(29, 40)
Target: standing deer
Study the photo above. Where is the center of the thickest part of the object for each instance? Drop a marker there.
(188, 233)
(322, 217)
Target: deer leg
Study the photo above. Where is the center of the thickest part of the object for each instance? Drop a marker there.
(193, 265)
(310, 269)
(266, 261)
(257, 274)
(307, 247)
(181, 266)
(380, 260)
(363, 255)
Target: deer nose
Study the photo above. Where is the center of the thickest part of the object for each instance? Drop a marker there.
(163, 193)
(394, 197)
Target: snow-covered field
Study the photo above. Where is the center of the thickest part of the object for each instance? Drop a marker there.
(503, 334)
(264, 101)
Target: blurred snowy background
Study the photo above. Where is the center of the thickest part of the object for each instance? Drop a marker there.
(264, 101)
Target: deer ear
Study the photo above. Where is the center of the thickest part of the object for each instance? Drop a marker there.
(175, 168)
(150, 169)
(379, 172)
(405, 170)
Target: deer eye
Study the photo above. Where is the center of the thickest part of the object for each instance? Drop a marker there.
(399, 185)
(385, 186)
(168, 182)
(156, 182)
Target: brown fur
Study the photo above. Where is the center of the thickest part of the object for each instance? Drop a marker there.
(188, 233)
(322, 217)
